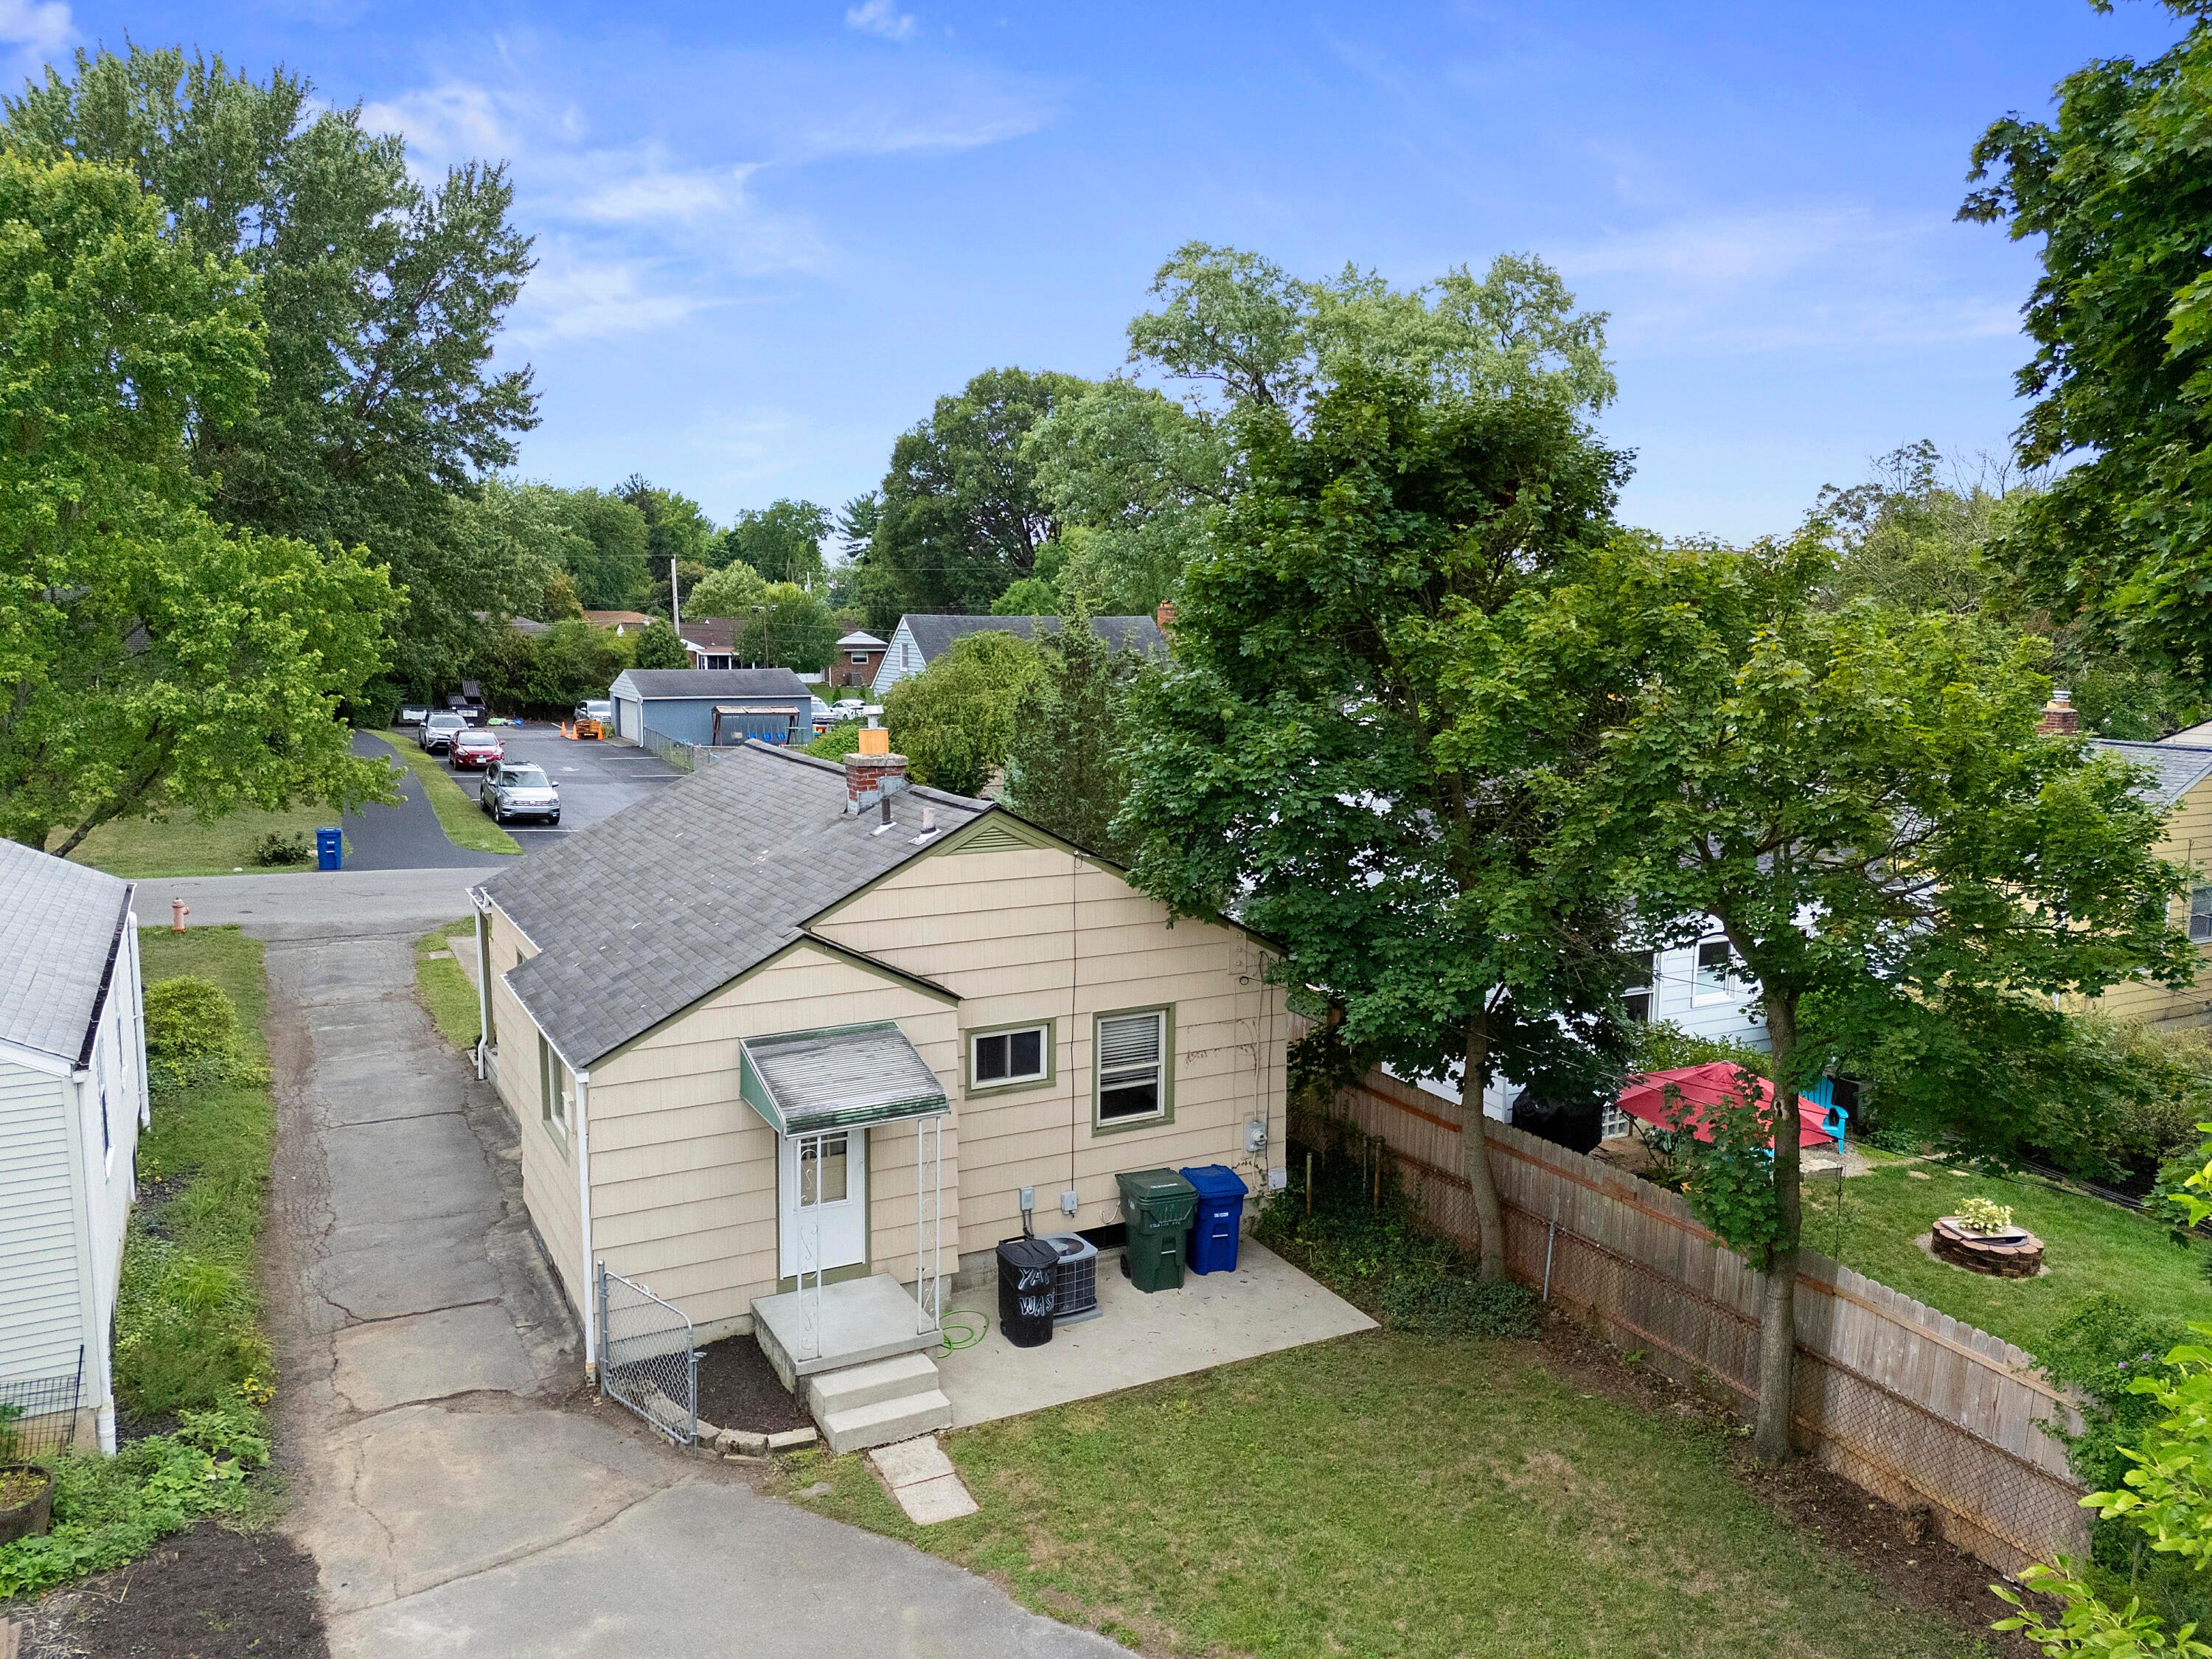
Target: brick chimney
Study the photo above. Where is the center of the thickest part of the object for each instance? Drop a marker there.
(871, 779)
(1165, 616)
(2060, 717)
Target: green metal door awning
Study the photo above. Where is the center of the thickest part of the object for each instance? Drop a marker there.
(803, 1082)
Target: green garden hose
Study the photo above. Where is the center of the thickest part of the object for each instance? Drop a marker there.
(956, 1336)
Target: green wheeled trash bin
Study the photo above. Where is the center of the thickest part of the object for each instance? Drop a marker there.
(1157, 1205)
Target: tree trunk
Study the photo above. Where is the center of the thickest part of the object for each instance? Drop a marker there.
(1475, 1149)
(1778, 1299)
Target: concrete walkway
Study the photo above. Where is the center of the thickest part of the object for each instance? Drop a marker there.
(456, 1496)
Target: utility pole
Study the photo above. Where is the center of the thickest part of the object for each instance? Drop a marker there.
(675, 605)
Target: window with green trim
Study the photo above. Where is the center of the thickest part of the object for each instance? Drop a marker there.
(1133, 1067)
(997, 1060)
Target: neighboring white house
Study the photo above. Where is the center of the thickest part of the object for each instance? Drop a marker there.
(920, 638)
(72, 1100)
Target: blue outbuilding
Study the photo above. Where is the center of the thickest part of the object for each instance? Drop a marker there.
(712, 705)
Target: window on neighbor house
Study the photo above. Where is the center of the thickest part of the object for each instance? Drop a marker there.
(2200, 913)
(1642, 971)
(552, 1088)
(906, 656)
(1133, 1072)
(1716, 970)
(859, 659)
(997, 1060)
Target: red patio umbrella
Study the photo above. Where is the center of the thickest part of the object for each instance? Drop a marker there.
(1687, 1093)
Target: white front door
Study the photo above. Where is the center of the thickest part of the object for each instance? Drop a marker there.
(822, 1192)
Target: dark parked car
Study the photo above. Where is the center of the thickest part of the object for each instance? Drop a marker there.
(511, 790)
(436, 734)
(475, 748)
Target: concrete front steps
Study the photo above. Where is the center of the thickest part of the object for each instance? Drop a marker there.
(877, 1403)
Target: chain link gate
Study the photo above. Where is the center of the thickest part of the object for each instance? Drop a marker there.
(647, 1360)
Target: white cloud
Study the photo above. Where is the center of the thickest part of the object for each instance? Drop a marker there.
(574, 296)
(444, 122)
(36, 27)
(881, 18)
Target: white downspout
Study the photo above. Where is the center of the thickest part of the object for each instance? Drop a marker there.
(590, 1298)
(481, 906)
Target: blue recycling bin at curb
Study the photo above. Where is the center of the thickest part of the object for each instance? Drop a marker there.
(1220, 1210)
(330, 849)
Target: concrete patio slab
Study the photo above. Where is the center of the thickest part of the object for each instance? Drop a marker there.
(872, 1317)
(1216, 1319)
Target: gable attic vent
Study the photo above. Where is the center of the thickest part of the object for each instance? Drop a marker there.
(996, 836)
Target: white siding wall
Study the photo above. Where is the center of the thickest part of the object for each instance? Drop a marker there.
(1027, 933)
(902, 656)
(42, 1270)
(114, 1088)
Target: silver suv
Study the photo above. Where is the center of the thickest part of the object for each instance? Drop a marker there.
(514, 790)
(436, 734)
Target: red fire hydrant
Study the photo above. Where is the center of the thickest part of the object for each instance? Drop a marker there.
(178, 912)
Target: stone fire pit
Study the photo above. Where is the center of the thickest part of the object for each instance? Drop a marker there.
(2014, 1253)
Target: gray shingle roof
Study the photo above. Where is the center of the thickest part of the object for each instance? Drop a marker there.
(935, 634)
(2175, 767)
(715, 683)
(666, 901)
(59, 923)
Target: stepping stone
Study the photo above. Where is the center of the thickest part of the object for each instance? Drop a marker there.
(923, 1480)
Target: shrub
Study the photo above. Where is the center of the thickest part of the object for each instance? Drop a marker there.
(281, 848)
(189, 1017)
(1446, 1304)
(1659, 1046)
(2099, 1353)
(839, 741)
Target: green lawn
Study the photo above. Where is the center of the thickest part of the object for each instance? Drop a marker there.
(2091, 1248)
(449, 992)
(463, 821)
(140, 849)
(1388, 1495)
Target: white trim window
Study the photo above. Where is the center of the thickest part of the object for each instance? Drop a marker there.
(1642, 974)
(1133, 1067)
(2200, 913)
(998, 1060)
(1716, 975)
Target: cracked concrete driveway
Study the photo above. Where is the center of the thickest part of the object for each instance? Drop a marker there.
(458, 1496)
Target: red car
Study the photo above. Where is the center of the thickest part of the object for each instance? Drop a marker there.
(475, 748)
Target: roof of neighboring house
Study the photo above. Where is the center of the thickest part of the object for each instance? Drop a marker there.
(934, 634)
(2176, 769)
(609, 618)
(526, 625)
(716, 633)
(668, 901)
(59, 927)
(860, 639)
(714, 683)
(2191, 736)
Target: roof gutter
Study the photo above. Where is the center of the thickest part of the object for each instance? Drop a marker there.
(107, 981)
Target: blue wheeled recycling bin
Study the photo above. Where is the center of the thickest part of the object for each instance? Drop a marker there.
(330, 849)
(1220, 1209)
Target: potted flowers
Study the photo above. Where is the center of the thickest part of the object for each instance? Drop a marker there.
(27, 1490)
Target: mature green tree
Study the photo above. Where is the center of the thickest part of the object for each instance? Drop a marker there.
(1290, 760)
(856, 524)
(783, 541)
(2119, 191)
(382, 297)
(151, 659)
(790, 628)
(1064, 767)
(954, 720)
(733, 591)
(561, 603)
(606, 549)
(660, 647)
(550, 673)
(1859, 799)
(963, 517)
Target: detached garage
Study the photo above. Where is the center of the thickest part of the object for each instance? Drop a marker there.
(712, 705)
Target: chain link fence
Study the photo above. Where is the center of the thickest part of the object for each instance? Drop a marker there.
(647, 1360)
(1915, 1406)
(38, 1414)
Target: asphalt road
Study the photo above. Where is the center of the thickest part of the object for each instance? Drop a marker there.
(407, 836)
(597, 779)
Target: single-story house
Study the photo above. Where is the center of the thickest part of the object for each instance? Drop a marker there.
(2180, 782)
(622, 621)
(920, 639)
(712, 705)
(712, 641)
(794, 1028)
(72, 1100)
(859, 654)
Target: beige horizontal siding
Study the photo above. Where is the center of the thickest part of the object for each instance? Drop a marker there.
(549, 1191)
(2188, 841)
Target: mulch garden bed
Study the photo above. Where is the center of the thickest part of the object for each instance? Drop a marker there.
(739, 1389)
(207, 1593)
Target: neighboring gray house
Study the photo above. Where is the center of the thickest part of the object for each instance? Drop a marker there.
(72, 1100)
(920, 639)
(772, 704)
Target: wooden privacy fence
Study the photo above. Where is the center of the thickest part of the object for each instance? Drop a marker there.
(1905, 1402)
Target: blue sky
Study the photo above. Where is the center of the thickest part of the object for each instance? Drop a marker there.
(768, 237)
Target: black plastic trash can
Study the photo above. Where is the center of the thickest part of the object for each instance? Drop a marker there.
(1221, 1195)
(1028, 1276)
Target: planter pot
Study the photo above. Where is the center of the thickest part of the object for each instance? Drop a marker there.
(31, 1516)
